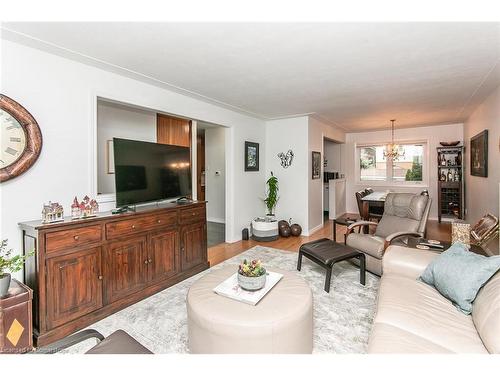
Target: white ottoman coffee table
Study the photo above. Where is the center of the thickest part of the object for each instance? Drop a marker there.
(282, 322)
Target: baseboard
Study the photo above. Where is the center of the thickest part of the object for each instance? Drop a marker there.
(341, 214)
(216, 220)
(310, 232)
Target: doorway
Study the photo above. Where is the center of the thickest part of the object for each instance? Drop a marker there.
(333, 180)
(211, 178)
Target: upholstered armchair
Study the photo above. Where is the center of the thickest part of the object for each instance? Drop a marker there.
(405, 214)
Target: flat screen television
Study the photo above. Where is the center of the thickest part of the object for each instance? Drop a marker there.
(148, 172)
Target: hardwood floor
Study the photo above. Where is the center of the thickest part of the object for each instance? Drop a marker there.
(223, 251)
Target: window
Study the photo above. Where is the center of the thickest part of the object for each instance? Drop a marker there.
(408, 169)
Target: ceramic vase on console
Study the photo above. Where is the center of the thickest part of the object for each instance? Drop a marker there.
(4, 284)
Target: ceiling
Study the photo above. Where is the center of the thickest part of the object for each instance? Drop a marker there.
(356, 76)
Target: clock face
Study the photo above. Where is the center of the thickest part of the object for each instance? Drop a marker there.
(13, 139)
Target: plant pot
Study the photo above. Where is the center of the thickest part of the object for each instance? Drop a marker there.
(4, 284)
(251, 283)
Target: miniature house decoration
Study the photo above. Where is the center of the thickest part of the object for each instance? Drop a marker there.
(52, 212)
(86, 208)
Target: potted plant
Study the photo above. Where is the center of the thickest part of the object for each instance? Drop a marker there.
(8, 263)
(251, 275)
(272, 194)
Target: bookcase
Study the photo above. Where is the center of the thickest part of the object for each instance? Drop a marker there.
(450, 173)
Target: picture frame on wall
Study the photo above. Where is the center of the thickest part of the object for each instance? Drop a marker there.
(316, 165)
(251, 157)
(479, 154)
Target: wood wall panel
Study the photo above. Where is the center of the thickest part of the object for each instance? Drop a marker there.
(173, 131)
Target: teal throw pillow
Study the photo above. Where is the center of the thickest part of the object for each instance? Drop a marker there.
(458, 274)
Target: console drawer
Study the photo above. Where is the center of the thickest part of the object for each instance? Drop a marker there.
(130, 226)
(192, 215)
(66, 239)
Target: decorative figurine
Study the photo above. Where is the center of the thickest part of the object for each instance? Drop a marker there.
(75, 209)
(52, 213)
(296, 229)
(286, 232)
(86, 208)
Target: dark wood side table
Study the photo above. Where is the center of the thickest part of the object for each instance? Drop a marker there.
(344, 221)
(16, 327)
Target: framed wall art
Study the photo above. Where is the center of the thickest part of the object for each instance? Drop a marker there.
(251, 157)
(479, 154)
(316, 165)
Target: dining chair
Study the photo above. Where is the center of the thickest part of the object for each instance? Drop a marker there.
(359, 200)
(375, 209)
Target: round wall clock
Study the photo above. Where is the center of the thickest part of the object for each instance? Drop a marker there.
(21, 139)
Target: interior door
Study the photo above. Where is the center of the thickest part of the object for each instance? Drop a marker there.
(163, 255)
(126, 268)
(74, 286)
(193, 245)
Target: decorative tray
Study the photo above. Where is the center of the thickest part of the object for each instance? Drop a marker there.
(229, 288)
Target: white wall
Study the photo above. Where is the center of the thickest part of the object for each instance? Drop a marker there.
(281, 136)
(215, 194)
(432, 134)
(333, 154)
(61, 95)
(317, 131)
(118, 121)
(482, 193)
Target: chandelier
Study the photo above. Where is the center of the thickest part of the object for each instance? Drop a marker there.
(392, 150)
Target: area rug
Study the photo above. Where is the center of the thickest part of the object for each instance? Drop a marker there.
(342, 318)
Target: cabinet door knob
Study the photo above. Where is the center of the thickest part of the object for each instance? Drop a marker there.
(100, 277)
(159, 221)
(133, 226)
(182, 249)
(194, 214)
(76, 238)
(150, 260)
(146, 261)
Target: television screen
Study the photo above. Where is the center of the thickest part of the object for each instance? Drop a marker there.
(147, 172)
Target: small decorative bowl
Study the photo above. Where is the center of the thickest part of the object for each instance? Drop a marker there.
(449, 144)
(251, 283)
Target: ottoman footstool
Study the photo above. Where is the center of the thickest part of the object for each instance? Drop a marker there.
(282, 322)
(326, 253)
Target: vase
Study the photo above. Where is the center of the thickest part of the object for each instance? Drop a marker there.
(4, 284)
(251, 283)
